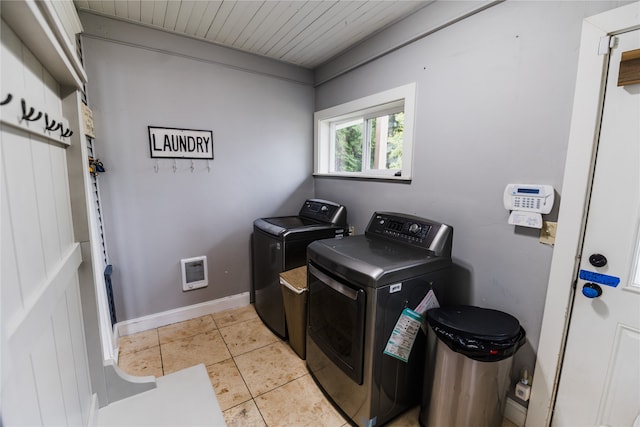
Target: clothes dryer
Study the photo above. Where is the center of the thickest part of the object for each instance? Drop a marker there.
(280, 244)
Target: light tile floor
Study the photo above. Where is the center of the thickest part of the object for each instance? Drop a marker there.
(257, 378)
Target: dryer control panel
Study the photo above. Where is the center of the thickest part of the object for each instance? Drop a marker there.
(324, 211)
(412, 230)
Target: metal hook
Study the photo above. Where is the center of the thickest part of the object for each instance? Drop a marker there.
(67, 133)
(209, 166)
(156, 166)
(49, 126)
(193, 166)
(29, 116)
(7, 99)
(175, 165)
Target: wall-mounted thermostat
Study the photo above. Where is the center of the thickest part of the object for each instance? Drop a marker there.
(194, 273)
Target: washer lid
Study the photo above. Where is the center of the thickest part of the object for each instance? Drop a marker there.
(290, 222)
(288, 225)
(474, 322)
(373, 262)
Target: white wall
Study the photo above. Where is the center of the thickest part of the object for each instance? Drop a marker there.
(45, 370)
(493, 106)
(260, 113)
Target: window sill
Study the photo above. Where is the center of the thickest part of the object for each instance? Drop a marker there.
(364, 177)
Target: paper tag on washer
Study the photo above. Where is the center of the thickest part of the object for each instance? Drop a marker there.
(403, 335)
(428, 302)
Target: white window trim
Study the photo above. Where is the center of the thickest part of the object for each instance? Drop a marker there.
(358, 108)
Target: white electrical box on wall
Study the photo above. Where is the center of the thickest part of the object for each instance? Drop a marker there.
(527, 203)
(529, 198)
(194, 273)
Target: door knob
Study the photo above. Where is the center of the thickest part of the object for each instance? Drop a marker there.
(598, 260)
(591, 290)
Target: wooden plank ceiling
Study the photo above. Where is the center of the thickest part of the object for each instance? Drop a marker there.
(304, 33)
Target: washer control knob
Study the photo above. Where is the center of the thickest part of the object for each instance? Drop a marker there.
(414, 228)
(324, 208)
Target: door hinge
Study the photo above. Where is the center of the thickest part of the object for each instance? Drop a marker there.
(576, 268)
(606, 43)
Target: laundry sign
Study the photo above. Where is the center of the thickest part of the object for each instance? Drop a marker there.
(173, 143)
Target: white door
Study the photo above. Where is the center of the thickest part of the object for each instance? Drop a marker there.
(600, 377)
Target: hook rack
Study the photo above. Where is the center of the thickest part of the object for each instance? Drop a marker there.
(29, 114)
(178, 164)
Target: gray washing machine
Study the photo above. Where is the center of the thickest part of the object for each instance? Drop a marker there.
(280, 244)
(358, 288)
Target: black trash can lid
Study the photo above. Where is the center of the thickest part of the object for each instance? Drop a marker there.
(479, 333)
(476, 322)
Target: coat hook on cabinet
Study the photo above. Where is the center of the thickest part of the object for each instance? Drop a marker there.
(209, 166)
(175, 165)
(50, 125)
(67, 133)
(156, 166)
(7, 99)
(193, 166)
(29, 116)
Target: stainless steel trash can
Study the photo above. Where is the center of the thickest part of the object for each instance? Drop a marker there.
(293, 284)
(468, 366)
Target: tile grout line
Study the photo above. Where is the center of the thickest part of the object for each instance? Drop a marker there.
(233, 359)
(160, 349)
(217, 327)
(244, 381)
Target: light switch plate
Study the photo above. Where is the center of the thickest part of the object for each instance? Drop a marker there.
(548, 232)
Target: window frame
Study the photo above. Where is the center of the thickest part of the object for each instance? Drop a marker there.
(365, 108)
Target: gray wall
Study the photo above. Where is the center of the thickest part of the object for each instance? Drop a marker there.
(494, 104)
(260, 113)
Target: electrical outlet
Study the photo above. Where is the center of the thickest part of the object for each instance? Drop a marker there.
(548, 232)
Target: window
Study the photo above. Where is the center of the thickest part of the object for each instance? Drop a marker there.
(371, 137)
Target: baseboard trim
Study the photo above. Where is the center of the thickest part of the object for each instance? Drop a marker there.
(181, 314)
(515, 412)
